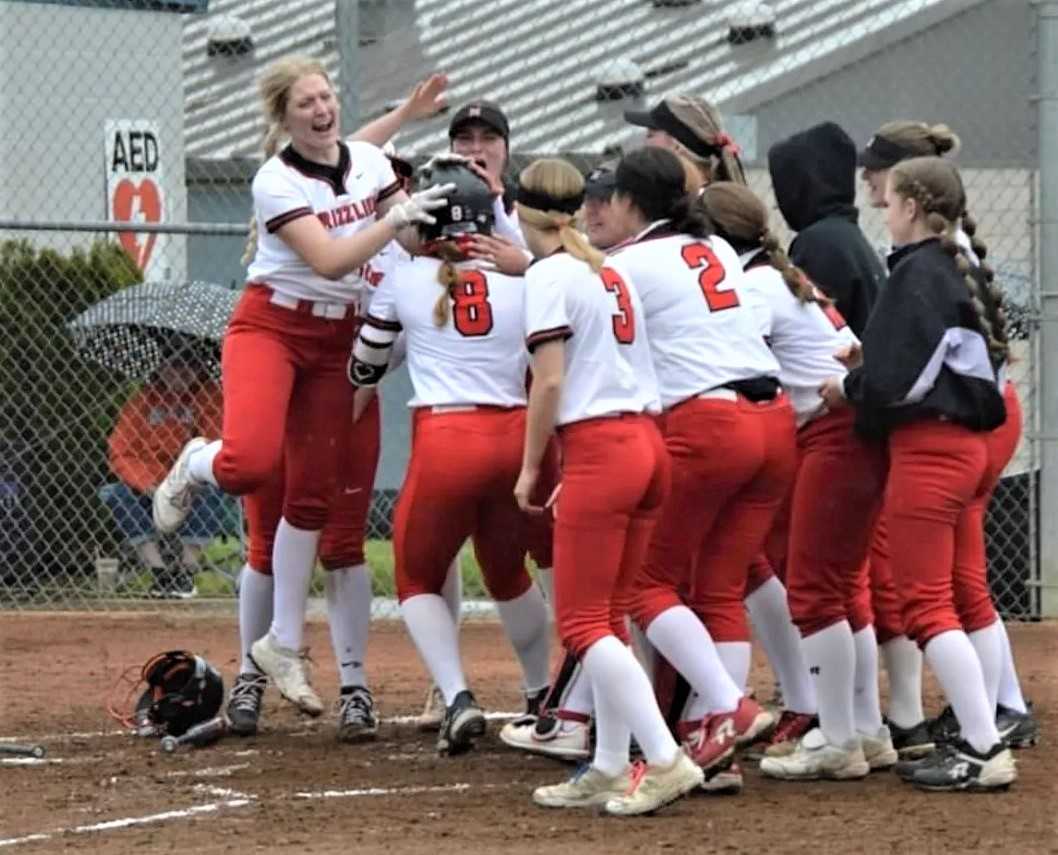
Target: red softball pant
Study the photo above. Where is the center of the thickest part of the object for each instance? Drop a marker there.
(615, 475)
(937, 469)
(286, 398)
(460, 484)
(540, 529)
(342, 542)
(880, 591)
(973, 596)
(836, 497)
(733, 462)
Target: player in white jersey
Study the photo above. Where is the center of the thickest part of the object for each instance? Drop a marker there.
(839, 484)
(729, 431)
(322, 208)
(464, 328)
(592, 380)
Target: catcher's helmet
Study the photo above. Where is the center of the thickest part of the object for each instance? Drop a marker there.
(469, 208)
(182, 691)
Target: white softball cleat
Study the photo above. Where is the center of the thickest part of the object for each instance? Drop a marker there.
(176, 494)
(289, 670)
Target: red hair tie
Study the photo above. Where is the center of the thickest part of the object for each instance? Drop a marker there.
(724, 142)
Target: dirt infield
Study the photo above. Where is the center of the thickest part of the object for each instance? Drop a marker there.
(294, 789)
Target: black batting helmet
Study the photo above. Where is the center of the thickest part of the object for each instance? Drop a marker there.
(182, 690)
(470, 204)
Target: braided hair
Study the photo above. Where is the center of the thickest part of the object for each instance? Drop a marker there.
(936, 187)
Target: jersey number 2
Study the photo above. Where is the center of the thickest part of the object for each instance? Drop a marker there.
(694, 256)
(624, 320)
(473, 312)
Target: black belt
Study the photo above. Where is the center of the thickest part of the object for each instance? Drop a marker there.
(756, 389)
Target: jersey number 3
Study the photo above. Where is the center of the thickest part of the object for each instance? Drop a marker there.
(697, 254)
(624, 319)
(473, 312)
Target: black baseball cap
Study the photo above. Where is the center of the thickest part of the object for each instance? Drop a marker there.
(881, 153)
(485, 113)
(601, 182)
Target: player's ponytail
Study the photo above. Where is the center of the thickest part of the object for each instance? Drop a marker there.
(741, 218)
(550, 191)
(448, 278)
(274, 91)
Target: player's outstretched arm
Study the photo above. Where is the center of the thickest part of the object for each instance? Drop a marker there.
(428, 98)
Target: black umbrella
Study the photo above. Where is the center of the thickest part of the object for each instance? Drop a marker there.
(137, 329)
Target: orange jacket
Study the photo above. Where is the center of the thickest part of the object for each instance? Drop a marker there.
(152, 428)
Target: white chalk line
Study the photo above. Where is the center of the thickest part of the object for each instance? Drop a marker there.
(29, 761)
(100, 734)
(207, 771)
(126, 822)
(237, 799)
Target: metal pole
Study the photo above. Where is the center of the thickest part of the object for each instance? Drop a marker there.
(221, 229)
(1047, 391)
(347, 41)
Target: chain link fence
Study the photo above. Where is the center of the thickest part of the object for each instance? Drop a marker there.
(145, 112)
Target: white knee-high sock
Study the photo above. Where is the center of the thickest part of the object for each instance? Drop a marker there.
(293, 560)
(1010, 694)
(348, 593)
(612, 736)
(769, 613)
(436, 637)
(989, 646)
(200, 464)
(619, 681)
(452, 590)
(866, 706)
(736, 656)
(903, 665)
(954, 661)
(831, 657)
(683, 639)
(527, 624)
(255, 612)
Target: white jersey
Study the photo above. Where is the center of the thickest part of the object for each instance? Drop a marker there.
(703, 335)
(803, 336)
(608, 368)
(343, 198)
(478, 356)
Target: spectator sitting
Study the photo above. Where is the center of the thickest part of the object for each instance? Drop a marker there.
(178, 402)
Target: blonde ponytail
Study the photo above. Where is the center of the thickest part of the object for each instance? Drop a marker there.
(557, 179)
(273, 136)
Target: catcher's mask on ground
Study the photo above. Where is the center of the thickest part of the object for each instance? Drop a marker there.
(173, 692)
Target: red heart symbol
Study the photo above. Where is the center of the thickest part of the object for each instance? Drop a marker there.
(123, 204)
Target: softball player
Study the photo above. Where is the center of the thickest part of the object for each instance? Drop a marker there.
(592, 378)
(839, 480)
(322, 209)
(892, 143)
(467, 365)
(730, 432)
(936, 413)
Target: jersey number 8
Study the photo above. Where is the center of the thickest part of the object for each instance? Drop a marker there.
(472, 314)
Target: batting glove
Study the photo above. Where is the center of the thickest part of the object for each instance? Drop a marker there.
(416, 208)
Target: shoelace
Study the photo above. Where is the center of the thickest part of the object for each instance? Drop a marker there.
(635, 776)
(246, 694)
(358, 703)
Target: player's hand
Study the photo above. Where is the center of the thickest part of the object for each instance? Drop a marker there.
(523, 490)
(851, 355)
(505, 256)
(361, 398)
(832, 391)
(495, 183)
(416, 208)
(428, 98)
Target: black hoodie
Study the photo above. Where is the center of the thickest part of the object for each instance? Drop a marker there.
(814, 176)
